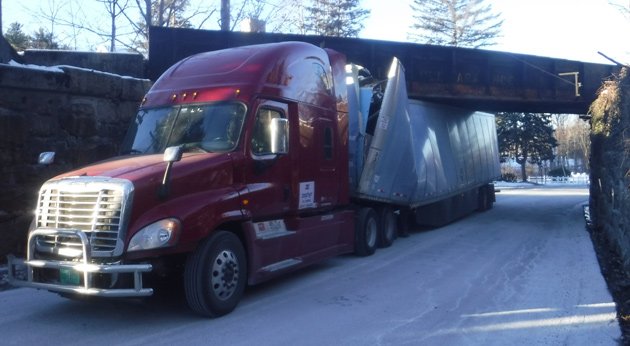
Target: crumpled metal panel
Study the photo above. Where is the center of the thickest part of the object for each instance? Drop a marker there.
(422, 152)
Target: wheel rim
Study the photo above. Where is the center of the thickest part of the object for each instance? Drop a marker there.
(371, 232)
(225, 274)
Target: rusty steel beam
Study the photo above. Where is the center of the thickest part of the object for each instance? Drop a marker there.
(472, 78)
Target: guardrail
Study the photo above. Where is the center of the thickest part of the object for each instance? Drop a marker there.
(578, 179)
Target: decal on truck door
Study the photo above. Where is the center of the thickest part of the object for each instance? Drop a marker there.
(271, 229)
(307, 195)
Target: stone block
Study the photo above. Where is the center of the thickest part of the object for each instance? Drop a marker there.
(12, 127)
(123, 64)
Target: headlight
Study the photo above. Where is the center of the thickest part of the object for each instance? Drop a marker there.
(159, 234)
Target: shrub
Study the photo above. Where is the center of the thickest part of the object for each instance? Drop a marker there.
(509, 177)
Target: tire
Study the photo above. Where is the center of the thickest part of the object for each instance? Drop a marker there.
(404, 222)
(387, 226)
(215, 275)
(366, 232)
(485, 199)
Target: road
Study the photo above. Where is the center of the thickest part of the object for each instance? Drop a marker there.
(522, 273)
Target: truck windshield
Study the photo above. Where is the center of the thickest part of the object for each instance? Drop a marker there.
(212, 127)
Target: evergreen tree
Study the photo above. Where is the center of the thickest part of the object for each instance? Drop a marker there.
(459, 23)
(16, 37)
(43, 39)
(340, 18)
(525, 137)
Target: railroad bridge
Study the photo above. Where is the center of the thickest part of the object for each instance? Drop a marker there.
(472, 78)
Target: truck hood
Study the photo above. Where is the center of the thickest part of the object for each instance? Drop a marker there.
(126, 167)
(194, 172)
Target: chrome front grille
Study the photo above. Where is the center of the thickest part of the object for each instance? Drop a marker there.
(93, 205)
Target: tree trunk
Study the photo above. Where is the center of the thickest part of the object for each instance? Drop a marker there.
(523, 172)
(112, 47)
(160, 22)
(225, 15)
(148, 16)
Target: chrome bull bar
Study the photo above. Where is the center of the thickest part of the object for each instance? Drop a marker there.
(83, 267)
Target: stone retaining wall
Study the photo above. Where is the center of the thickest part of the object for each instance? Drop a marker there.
(610, 165)
(80, 114)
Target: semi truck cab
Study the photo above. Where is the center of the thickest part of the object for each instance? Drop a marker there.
(234, 168)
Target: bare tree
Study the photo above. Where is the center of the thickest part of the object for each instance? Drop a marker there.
(577, 145)
(581, 137)
(124, 24)
(52, 13)
(276, 16)
(114, 9)
(622, 6)
(460, 23)
(269, 15)
(67, 15)
(573, 137)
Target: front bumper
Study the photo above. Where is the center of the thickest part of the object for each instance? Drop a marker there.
(84, 268)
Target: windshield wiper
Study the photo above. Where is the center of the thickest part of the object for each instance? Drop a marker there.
(194, 147)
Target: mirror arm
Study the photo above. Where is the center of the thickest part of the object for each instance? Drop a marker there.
(171, 154)
(166, 181)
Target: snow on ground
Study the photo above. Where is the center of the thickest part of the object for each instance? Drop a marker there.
(522, 273)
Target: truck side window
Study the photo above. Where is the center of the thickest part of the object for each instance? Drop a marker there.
(261, 138)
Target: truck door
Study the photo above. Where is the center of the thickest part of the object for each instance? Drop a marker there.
(268, 175)
(327, 180)
(271, 198)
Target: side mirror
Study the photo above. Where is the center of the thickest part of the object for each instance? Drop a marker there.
(279, 136)
(173, 154)
(46, 158)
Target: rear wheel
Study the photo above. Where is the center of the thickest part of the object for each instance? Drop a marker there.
(485, 198)
(215, 275)
(366, 232)
(387, 229)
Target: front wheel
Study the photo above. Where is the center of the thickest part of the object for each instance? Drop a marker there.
(215, 275)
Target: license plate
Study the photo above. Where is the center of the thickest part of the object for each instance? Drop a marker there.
(69, 277)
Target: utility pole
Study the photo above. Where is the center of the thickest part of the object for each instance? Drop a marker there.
(225, 15)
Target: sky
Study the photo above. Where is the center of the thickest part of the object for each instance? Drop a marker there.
(566, 29)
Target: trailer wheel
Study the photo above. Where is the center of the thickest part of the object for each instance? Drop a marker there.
(485, 199)
(387, 229)
(366, 232)
(215, 275)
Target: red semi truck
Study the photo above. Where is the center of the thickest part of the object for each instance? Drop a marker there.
(247, 163)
